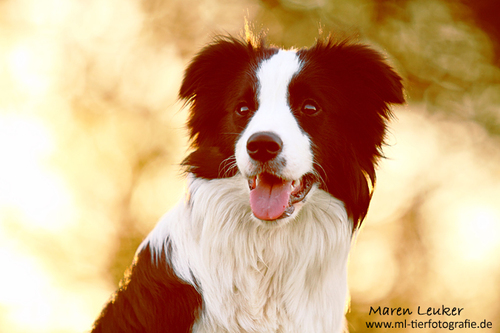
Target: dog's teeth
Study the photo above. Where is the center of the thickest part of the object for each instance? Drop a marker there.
(295, 184)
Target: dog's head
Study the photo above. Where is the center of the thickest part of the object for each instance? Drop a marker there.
(289, 120)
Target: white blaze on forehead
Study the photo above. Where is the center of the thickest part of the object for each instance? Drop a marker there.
(274, 76)
(274, 115)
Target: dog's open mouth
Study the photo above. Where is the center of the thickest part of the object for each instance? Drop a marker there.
(273, 198)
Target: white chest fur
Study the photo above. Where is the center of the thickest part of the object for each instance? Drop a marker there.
(254, 277)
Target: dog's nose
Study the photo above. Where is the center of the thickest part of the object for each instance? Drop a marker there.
(264, 146)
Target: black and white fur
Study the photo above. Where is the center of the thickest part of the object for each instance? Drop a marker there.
(308, 123)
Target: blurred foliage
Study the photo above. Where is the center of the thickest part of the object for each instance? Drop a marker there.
(92, 136)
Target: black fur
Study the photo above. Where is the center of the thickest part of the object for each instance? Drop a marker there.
(151, 299)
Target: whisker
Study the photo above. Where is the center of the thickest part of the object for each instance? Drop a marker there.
(229, 172)
(318, 175)
(227, 165)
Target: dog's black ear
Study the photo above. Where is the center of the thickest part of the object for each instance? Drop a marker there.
(360, 66)
(381, 86)
(214, 63)
(378, 77)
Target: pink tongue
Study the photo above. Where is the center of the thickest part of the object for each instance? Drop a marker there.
(270, 197)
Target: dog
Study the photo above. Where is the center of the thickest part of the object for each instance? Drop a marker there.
(284, 149)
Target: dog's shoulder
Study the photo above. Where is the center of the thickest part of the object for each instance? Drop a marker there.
(151, 298)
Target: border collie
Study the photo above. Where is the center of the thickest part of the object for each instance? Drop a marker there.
(284, 148)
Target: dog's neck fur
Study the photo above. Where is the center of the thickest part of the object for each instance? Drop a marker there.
(254, 277)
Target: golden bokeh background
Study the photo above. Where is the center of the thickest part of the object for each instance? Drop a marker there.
(91, 135)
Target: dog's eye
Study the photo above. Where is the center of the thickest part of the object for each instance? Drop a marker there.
(310, 108)
(242, 109)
